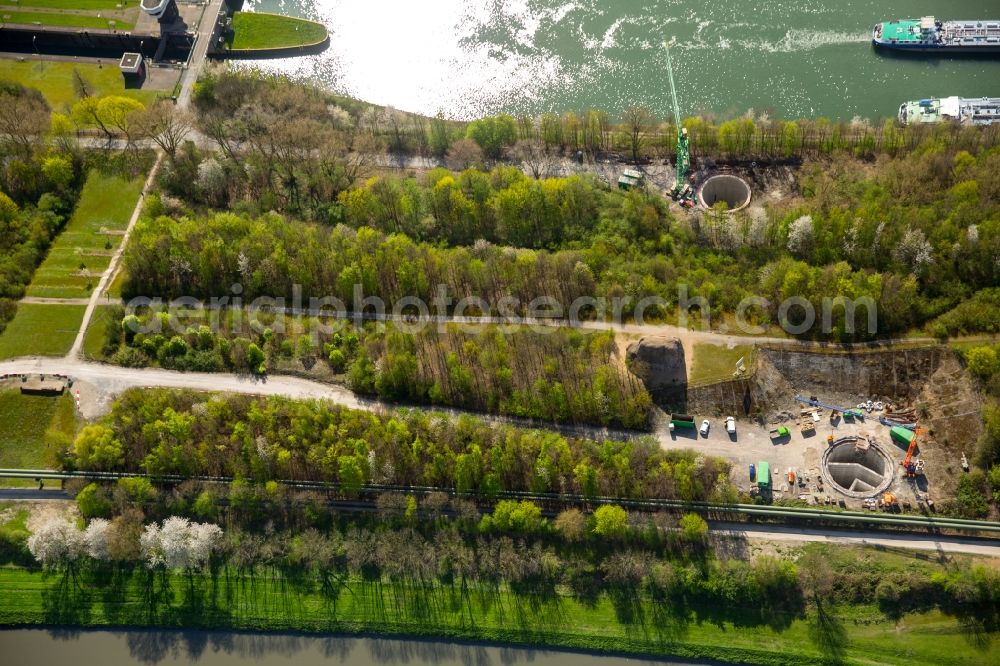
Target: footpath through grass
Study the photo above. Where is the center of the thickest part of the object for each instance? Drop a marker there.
(82, 252)
(624, 622)
(55, 79)
(253, 30)
(33, 427)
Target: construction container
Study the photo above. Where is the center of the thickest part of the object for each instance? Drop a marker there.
(682, 420)
(763, 474)
(902, 435)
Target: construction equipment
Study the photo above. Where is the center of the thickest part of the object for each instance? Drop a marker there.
(896, 424)
(816, 403)
(681, 421)
(911, 467)
(681, 192)
(779, 432)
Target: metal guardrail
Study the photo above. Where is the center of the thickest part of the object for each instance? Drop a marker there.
(911, 522)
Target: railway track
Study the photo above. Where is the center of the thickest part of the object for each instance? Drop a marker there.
(352, 499)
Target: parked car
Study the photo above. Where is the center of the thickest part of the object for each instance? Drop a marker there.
(705, 425)
(730, 425)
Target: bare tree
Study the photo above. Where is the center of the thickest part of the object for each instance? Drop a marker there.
(24, 120)
(463, 154)
(533, 157)
(638, 121)
(166, 124)
(571, 524)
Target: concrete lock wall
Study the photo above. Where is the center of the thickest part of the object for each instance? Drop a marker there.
(733, 190)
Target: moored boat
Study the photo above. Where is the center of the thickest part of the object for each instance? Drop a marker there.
(964, 110)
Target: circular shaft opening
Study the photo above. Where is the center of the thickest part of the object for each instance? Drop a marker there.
(732, 190)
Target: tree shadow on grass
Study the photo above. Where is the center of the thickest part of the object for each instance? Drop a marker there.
(66, 601)
(828, 634)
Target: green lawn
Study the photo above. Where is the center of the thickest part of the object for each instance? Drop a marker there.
(93, 339)
(716, 363)
(55, 80)
(625, 623)
(41, 330)
(63, 19)
(25, 424)
(253, 30)
(68, 4)
(106, 204)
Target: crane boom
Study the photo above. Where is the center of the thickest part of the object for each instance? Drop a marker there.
(680, 191)
(907, 463)
(673, 93)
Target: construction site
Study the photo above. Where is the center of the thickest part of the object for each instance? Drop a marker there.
(877, 429)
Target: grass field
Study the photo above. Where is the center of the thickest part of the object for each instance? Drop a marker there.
(55, 80)
(93, 339)
(41, 330)
(24, 422)
(713, 363)
(270, 31)
(70, 4)
(63, 19)
(625, 623)
(105, 205)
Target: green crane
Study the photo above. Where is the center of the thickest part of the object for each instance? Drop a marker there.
(681, 191)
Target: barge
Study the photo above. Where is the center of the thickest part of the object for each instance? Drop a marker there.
(929, 35)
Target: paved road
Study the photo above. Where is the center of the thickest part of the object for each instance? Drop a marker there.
(205, 29)
(33, 495)
(946, 544)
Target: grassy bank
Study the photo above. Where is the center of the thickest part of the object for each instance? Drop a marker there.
(64, 19)
(715, 363)
(74, 5)
(83, 250)
(55, 80)
(477, 612)
(253, 30)
(43, 330)
(29, 425)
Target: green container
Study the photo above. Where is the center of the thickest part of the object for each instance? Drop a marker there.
(902, 435)
(763, 474)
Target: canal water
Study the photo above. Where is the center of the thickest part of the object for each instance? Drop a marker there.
(786, 58)
(46, 647)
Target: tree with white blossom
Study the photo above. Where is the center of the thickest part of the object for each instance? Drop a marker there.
(56, 542)
(179, 544)
(95, 539)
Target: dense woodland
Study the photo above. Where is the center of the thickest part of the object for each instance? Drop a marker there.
(918, 236)
(164, 432)
(555, 374)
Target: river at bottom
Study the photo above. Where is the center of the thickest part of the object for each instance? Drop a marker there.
(27, 647)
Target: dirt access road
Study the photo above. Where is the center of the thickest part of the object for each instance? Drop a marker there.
(98, 384)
